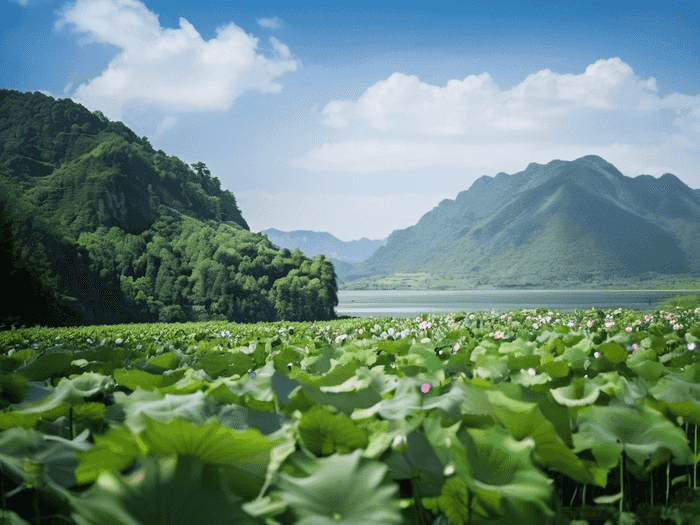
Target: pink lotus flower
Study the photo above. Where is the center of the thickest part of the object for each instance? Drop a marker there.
(589, 324)
(425, 388)
(628, 329)
(691, 346)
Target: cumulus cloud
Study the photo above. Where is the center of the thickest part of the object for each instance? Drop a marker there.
(272, 23)
(172, 69)
(472, 123)
(477, 105)
(348, 217)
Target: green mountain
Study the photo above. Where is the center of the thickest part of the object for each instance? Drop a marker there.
(98, 227)
(563, 223)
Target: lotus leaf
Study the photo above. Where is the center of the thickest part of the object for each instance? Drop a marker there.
(342, 490)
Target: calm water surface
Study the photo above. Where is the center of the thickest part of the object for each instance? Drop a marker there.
(405, 303)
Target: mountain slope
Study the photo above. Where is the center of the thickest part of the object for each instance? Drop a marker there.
(316, 243)
(575, 222)
(98, 227)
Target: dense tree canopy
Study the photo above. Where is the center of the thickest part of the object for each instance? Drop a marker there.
(98, 227)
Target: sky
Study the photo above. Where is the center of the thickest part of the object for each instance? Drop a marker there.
(359, 118)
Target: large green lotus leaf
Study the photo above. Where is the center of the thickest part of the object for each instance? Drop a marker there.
(15, 419)
(254, 390)
(520, 346)
(516, 362)
(640, 430)
(411, 364)
(525, 420)
(362, 356)
(463, 402)
(243, 456)
(116, 449)
(406, 400)
(166, 361)
(529, 378)
(613, 352)
(440, 437)
(55, 456)
(491, 367)
(13, 389)
(356, 392)
(680, 396)
(497, 470)
(342, 490)
(575, 356)
(383, 432)
(337, 375)
(142, 406)
(135, 378)
(48, 365)
(167, 491)
(557, 368)
(432, 362)
(190, 381)
(578, 393)
(647, 369)
(324, 433)
(69, 391)
(217, 364)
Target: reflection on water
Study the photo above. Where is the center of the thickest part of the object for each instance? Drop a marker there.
(404, 303)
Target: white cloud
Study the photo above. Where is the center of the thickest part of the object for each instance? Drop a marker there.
(348, 217)
(23, 3)
(477, 106)
(272, 23)
(281, 49)
(475, 125)
(172, 69)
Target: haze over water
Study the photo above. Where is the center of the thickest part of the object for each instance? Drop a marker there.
(405, 303)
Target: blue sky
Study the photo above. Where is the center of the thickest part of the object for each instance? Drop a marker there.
(360, 118)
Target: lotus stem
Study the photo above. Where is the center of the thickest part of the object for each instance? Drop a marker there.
(70, 423)
(571, 503)
(695, 460)
(651, 480)
(668, 479)
(583, 496)
(622, 481)
(469, 507)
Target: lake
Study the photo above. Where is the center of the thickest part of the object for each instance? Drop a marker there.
(407, 303)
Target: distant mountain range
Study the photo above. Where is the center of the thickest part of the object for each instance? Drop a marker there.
(563, 223)
(344, 255)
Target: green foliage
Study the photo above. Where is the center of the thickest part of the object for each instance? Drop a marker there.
(430, 420)
(97, 227)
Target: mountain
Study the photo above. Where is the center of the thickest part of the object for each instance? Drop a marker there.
(344, 255)
(563, 223)
(316, 243)
(98, 227)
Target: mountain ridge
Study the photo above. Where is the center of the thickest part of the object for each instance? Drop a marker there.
(494, 233)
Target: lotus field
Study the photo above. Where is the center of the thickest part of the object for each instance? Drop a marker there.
(526, 417)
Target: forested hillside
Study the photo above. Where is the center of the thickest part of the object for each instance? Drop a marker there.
(98, 227)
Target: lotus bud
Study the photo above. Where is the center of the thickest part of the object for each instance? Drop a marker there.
(400, 443)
